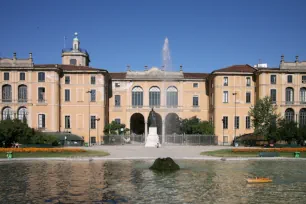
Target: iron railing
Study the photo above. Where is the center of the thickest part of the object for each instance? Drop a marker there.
(185, 139)
(169, 139)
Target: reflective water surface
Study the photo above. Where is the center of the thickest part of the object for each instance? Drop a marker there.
(133, 182)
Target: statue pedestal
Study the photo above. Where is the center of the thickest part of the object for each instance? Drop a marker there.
(152, 138)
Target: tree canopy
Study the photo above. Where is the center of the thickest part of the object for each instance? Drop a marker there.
(264, 117)
(18, 131)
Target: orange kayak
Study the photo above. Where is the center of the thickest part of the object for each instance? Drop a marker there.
(259, 180)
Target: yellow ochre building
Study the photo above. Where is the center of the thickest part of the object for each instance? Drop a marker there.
(74, 97)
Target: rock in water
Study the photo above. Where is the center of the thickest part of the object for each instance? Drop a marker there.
(162, 164)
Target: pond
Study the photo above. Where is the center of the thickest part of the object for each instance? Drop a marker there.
(132, 182)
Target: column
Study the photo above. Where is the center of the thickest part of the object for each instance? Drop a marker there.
(146, 129)
(163, 132)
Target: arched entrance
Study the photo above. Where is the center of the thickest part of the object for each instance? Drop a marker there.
(137, 124)
(172, 123)
(159, 123)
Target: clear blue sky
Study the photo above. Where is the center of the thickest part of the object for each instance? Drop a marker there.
(203, 35)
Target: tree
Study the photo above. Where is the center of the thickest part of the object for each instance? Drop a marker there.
(264, 118)
(115, 128)
(194, 125)
(17, 131)
(301, 136)
(288, 130)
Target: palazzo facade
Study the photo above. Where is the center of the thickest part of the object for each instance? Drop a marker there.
(74, 97)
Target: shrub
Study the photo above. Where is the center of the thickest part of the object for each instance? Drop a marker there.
(246, 150)
(34, 149)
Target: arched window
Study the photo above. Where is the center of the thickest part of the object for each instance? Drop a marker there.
(289, 95)
(137, 96)
(289, 114)
(22, 93)
(6, 93)
(22, 114)
(154, 96)
(7, 113)
(303, 95)
(172, 96)
(303, 117)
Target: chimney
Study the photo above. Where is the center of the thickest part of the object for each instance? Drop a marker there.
(30, 55)
(181, 68)
(146, 68)
(282, 59)
(14, 56)
(296, 59)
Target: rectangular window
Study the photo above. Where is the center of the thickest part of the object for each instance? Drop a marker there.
(273, 79)
(289, 78)
(247, 122)
(41, 121)
(195, 85)
(67, 122)
(304, 79)
(225, 81)
(248, 97)
(93, 80)
(6, 76)
(67, 79)
(21, 76)
(41, 94)
(273, 95)
(117, 120)
(67, 94)
(92, 95)
(117, 100)
(236, 122)
(92, 122)
(117, 85)
(41, 76)
(195, 101)
(225, 122)
(225, 96)
(248, 81)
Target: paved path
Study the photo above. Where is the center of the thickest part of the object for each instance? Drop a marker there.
(139, 151)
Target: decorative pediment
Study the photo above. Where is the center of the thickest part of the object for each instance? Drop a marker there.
(154, 74)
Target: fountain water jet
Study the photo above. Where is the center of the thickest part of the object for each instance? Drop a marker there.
(167, 63)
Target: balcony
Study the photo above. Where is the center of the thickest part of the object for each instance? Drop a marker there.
(6, 100)
(291, 103)
(42, 102)
(22, 100)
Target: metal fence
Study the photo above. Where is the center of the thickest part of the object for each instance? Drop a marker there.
(169, 139)
(191, 139)
(123, 139)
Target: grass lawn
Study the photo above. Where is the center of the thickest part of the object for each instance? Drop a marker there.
(56, 154)
(229, 153)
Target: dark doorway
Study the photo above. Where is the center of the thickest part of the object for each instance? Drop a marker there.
(172, 124)
(137, 124)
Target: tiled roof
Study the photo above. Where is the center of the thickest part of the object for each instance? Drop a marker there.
(67, 67)
(237, 68)
(195, 75)
(118, 75)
